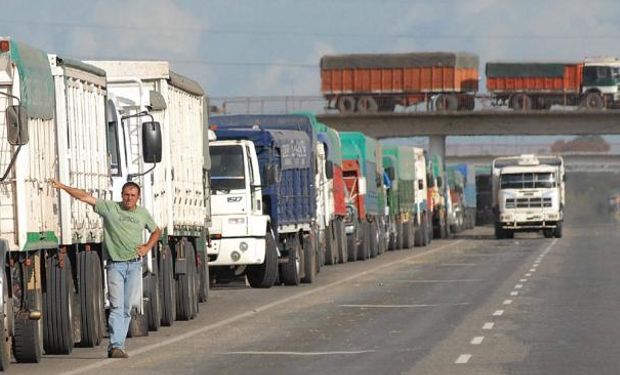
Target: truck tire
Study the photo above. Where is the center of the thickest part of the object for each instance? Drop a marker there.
(27, 340)
(167, 288)
(594, 101)
(500, 234)
(151, 292)
(446, 103)
(264, 275)
(374, 239)
(367, 104)
(520, 102)
(138, 325)
(341, 237)
(557, 233)
(429, 228)
(91, 298)
(186, 290)
(346, 104)
(289, 271)
(5, 325)
(363, 251)
(331, 246)
(352, 247)
(203, 276)
(548, 232)
(309, 259)
(58, 309)
(418, 239)
(28, 334)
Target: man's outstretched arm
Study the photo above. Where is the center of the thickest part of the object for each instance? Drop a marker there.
(75, 192)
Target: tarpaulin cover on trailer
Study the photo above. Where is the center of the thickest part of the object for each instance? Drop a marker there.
(294, 148)
(525, 69)
(36, 81)
(401, 60)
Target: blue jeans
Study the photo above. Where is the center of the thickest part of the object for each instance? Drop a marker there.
(124, 280)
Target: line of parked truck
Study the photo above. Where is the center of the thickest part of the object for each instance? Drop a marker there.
(270, 197)
(449, 81)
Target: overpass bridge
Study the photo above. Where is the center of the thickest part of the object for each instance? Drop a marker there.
(437, 126)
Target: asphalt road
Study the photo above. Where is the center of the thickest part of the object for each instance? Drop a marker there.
(469, 305)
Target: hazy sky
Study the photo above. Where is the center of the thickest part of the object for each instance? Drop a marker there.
(272, 47)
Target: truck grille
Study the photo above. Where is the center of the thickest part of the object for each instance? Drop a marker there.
(528, 202)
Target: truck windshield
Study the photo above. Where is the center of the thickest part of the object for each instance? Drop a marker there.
(597, 75)
(227, 168)
(544, 180)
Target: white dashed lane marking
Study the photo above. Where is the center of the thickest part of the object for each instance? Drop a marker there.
(498, 313)
(477, 340)
(507, 302)
(488, 326)
(463, 359)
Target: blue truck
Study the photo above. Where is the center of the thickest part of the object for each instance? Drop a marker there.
(267, 204)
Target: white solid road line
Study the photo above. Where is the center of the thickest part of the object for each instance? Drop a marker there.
(463, 359)
(252, 312)
(433, 281)
(300, 354)
(362, 306)
(477, 340)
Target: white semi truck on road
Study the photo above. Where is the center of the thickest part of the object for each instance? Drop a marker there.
(528, 195)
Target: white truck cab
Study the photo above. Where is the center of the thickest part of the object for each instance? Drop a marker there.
(528, 195)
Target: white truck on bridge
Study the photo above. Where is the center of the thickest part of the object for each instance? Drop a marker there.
(528, 195)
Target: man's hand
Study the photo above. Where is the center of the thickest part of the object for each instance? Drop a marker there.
(55, 184)
(142, 250)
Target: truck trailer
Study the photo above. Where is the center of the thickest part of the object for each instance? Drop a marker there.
(378, 82)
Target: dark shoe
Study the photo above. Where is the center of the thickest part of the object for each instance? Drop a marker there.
(117, 353)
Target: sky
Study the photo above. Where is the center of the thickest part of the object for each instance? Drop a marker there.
(273, 47)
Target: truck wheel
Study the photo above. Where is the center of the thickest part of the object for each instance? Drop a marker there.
(289, 271)
(557, 233)
(548, 232)
(264, 275)
(346, 104)
(186, 288)
(5, 325)
(446, 103)
(330, 245)
(151, 292)
(352, 247)
(374, 239)
(594, 101)
(91, 298)
(367, 104)
(203, 273)
(429, 228)
(510, 234)
(58, 300)
(28, 334)
(500, 233)
(309, 249)
(400, 236)
(341, 238)
(363, 251)
(167, 288)
(520, 102)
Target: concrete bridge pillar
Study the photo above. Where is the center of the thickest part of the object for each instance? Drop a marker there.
(437, 145)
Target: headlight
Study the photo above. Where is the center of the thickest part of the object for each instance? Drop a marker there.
(239, 220)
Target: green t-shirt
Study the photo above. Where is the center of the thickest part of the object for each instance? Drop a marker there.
(123, 229)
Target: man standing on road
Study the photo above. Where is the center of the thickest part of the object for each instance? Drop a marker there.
(123, 223)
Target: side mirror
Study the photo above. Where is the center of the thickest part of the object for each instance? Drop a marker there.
(329, 169)
(420, 184)
(151, 142)
(271, 174)
(17, 125)
(362, 186)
